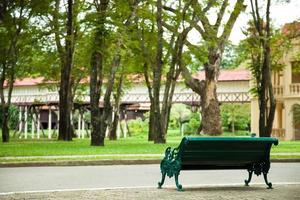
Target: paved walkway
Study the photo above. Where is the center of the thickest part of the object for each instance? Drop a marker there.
(280, 192)
(24, 179)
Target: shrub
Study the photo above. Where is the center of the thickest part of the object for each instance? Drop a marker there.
(192, 126)
(138, 127)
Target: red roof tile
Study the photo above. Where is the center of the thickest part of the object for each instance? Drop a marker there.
(228, 75)
(27, 81)
(225, 75)
(291, 29)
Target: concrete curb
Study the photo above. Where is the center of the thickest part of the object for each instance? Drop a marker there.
(104, 162)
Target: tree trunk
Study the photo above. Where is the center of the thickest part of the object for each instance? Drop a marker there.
(65, 132)
(114, 126)
(210, 111)
(107, 109)
(96, 76)
(267, 103)
(95, 89)
(5, 129)
(8, 64)
(151, 132)
(157, 70)
(172, 77)
(207, 89)
(267, 65)
(117, 97)
(211, 120)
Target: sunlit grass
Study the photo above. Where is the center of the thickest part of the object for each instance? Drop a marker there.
(130, 145)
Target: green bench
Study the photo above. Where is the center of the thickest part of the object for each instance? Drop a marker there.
(203, 153)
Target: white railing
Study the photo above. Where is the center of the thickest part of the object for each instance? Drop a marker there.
(278, 90)
(180, 97)
(295, 89)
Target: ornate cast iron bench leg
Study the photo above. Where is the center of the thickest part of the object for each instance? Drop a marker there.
(162, 180)
(258, 169)
(269, 184)
(179, 186)
(249, 178)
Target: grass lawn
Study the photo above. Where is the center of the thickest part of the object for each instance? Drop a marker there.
(131, 145)
(47, 147)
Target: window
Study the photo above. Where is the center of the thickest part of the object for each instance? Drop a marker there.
(296, 72)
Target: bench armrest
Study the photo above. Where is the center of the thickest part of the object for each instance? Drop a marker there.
(171, 164)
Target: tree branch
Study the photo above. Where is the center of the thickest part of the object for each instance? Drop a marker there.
(169, 9)
(238, 8)
(56, 29)
(221, 14)
(201, 15)
(209, 5)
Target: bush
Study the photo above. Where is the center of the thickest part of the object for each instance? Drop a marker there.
(138, 127)
(192, 126)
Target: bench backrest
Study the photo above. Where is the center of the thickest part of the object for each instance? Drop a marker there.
(224, 152)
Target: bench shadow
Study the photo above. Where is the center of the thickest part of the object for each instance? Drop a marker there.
(223, 188)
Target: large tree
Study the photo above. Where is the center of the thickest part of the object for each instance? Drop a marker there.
(261, 62)
(101, 59)
(214, 37)
(15, 45)
(63, 58)
(162, 53)
(66, 55)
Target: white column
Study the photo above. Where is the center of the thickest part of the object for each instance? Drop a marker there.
(124, 128)
(83, 127)
(38, 125)
(26, 128)
(125, 124)
(254, 116)
(79, 125)
(71, 118)
(32, 125)
(58, 120)
(289, 127)
(49, 123)
(20, 119)
(118, 130)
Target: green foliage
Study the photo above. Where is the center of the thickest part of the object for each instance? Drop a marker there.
(193, 124)
(237, 115)
(230, 59)
(138, 127)
(250, 51)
